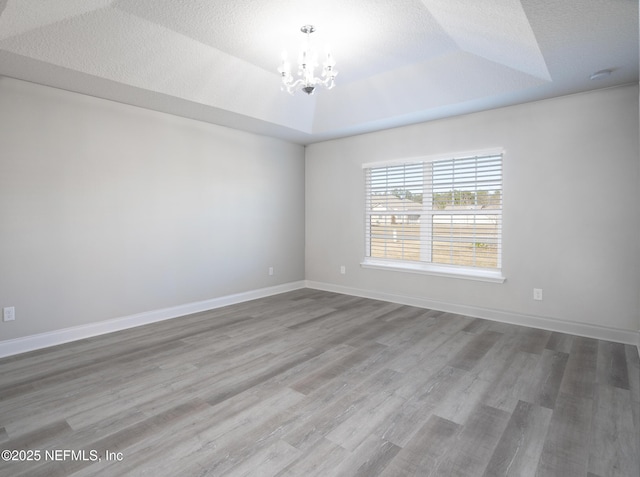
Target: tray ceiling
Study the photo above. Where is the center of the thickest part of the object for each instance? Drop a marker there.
(399, 62)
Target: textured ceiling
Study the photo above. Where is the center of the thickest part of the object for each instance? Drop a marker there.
(399, 62)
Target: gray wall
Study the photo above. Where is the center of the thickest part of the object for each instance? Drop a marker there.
(108, 210)
(571, 213)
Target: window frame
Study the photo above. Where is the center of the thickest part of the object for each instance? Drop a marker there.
(426, 267)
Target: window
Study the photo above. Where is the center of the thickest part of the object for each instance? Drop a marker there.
(441, 216)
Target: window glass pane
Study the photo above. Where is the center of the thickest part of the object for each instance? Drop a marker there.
(468, 240)
(395, 237)
(445, 211)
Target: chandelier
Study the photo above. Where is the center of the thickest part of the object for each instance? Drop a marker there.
(307, 62)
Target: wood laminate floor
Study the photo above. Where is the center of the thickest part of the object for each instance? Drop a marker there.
(310, 383)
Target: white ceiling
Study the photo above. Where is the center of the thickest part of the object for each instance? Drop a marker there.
(399, 61)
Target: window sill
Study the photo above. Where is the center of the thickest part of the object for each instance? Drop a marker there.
(494, 276)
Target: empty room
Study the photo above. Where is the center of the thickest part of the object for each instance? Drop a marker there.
(339, 238)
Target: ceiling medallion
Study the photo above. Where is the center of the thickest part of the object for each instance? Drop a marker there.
(307, 62)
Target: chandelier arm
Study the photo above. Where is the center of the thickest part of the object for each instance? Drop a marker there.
(328, 83)
(297, 83)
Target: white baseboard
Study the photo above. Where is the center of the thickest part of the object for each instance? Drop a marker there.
(52, 338)
(540, 322)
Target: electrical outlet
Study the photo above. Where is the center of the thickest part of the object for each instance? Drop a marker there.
(9, 313)
(343, 269)
(537, 294)
(270, 271)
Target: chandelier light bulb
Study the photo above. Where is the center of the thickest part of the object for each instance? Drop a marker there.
(307, 62)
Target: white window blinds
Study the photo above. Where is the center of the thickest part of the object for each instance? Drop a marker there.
(446, 211)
